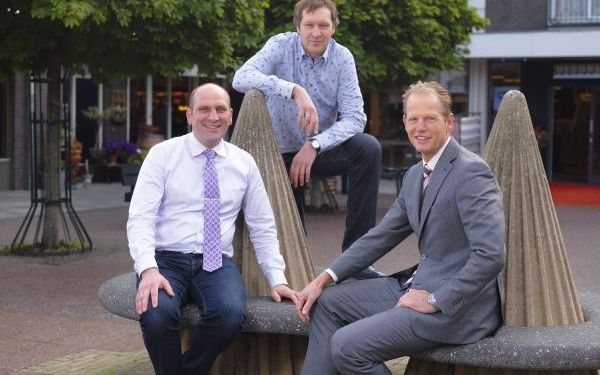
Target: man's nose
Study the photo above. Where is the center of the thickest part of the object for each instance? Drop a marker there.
(213, 115)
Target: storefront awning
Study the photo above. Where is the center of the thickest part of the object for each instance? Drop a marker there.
(556, 43)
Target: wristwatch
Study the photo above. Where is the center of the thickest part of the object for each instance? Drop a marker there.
(431, 301)
(315, 144)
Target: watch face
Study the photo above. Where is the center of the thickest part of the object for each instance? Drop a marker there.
(315, 144)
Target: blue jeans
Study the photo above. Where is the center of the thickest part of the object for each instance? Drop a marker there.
(221, 298)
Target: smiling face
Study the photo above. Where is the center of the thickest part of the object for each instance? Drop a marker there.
(316, 29)
(426, 126)
(210, 114)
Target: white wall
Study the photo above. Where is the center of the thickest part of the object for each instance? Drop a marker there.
(479, 5)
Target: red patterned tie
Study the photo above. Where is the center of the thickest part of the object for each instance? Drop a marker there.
(212, 258)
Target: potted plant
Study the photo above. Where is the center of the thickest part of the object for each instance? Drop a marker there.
(117, 114)
(95, 114)
(118, 150)
(71, 157)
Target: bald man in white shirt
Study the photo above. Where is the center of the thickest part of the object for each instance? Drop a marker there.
(169, 242)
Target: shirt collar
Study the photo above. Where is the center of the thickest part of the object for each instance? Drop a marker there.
(433, 161)
(302, 52)
(197, 148)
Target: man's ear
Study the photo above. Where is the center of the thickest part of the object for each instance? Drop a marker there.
(188, 115)
(450, 123)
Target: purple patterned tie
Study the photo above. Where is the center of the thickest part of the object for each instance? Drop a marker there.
(212, 222)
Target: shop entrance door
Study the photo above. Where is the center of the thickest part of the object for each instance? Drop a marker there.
(594, 154)
(576, 135)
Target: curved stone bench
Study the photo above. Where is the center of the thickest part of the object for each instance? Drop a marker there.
(540, 348)
(263, 315)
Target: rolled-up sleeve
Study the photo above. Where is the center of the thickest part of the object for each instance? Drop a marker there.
(258, 72)
(352, 118)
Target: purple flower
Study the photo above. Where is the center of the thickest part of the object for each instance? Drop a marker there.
(120, 146)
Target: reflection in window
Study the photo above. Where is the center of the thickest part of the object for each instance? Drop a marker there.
(565, 12)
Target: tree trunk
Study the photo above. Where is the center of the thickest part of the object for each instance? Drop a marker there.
(51, 158)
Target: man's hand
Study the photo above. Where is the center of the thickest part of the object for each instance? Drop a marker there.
(307, 119)
(283, 291)
(151, 281)
(310, 293)
(301, 165)
(417, 300)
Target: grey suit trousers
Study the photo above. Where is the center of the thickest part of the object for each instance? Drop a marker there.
(350, 337)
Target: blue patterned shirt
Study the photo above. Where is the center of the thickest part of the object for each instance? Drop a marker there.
(330, 80)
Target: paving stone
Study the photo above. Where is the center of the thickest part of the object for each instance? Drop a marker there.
(94, 362)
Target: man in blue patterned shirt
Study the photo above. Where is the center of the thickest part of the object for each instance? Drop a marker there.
(316, 107)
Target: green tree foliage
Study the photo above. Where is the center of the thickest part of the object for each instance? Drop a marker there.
(396, 41)
(128, 38)
(115, 38)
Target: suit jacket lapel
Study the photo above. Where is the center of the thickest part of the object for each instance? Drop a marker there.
(442, 168)
(414, 197)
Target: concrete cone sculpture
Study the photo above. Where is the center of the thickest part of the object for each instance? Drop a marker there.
(539, 287)
(254, 133)
(540, 290)
(267, 354)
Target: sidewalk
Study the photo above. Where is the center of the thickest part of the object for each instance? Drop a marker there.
(51, 322)
(15, 203)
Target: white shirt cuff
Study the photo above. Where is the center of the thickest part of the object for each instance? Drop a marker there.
(276, 278)
(144, 263)
(287, 88)
(332, 274)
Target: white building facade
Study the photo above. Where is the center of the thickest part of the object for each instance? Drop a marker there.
(549, 50)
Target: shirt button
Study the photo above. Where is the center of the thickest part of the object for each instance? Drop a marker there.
(423, 256)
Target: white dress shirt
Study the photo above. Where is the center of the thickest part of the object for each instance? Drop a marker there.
(167, 207)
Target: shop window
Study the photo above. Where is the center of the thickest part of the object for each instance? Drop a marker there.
(504, 76)
(574, 12)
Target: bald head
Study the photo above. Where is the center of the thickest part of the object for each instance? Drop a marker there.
(209, 113)
(208, 87)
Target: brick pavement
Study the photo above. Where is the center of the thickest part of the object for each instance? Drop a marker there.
(51, 322)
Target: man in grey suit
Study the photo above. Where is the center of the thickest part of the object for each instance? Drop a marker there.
(453, 203)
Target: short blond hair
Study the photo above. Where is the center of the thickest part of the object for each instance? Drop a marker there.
(430, 87)
(312, 5)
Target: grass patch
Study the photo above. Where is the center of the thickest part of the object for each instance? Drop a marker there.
(36, 249)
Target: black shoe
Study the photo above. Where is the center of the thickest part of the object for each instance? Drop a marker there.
(369, 273)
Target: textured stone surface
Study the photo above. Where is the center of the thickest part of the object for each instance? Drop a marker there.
(543, 348)
(263, 315)
(254, 133)
(540, 289)
(117, 295)
(559, 347)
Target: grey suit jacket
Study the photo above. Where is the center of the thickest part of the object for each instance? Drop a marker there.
(461, 232)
